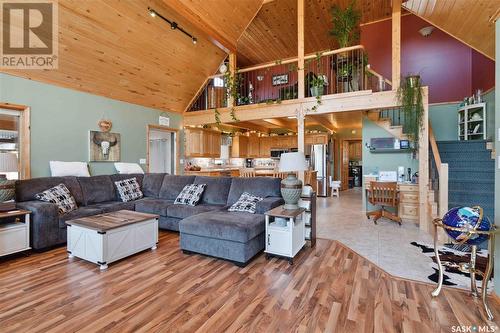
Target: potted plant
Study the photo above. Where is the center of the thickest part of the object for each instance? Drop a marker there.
(317, 85)
(410, 98)
(345, 24)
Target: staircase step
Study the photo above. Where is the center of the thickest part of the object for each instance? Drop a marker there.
(466, 195)
(481, 155)
(471, 173)
(471, 164)
(471, 185)
(461, 146)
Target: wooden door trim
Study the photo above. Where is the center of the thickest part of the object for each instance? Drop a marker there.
(176, 131)
(24, 138)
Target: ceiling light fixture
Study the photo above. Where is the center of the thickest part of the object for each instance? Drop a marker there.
(426, 31)
(173, 25)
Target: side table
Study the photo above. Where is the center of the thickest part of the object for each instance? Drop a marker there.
(285, 232)
(14, 231)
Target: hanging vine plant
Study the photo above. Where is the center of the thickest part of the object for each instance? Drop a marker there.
(217, 117)
(410, 97)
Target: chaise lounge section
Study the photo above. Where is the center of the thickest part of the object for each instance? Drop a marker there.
(207, 228)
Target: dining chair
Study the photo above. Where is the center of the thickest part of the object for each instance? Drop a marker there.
(278, 174)
(247, 172)
(384, 194)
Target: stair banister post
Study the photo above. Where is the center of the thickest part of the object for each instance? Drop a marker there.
(423, 164)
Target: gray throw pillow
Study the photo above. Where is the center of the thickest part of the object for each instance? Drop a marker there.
(59, 195)
(129, 189)
(246, 203)
(190, 194)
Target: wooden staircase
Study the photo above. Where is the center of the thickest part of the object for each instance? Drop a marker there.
(387, 124)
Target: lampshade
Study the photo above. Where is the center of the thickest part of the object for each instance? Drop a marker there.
(8, 162)
(290, 162)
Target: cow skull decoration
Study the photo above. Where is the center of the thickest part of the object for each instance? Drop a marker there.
(105, 141)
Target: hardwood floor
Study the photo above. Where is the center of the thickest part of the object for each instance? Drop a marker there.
(329, 288)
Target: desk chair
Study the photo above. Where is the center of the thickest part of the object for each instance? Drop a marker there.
(247, 172)
(384, 194)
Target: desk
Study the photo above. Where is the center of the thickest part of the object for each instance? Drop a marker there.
(408, 199)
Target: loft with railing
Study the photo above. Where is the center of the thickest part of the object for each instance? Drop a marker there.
(325, 73)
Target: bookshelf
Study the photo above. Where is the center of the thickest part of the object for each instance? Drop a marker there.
(472, 122)
(309, 203)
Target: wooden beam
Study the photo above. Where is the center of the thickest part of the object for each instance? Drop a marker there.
(301, 136)
(352, 101)
(232, 72)
(423, 165)
(281, 123)
(213, 35)
(300, 43)
(396, 43)
(250, 126)
(323, 121)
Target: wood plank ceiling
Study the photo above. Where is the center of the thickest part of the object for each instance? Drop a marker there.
(470, 21)
(272, 34)
(115, 49)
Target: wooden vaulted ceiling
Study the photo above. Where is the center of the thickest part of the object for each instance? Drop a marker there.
(272, 34)
(116, 49)
(470, 21)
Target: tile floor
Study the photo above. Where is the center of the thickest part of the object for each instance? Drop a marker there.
(386, 244)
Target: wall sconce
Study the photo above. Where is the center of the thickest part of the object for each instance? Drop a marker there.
(173, 24)
(260, 77)
(426, 31)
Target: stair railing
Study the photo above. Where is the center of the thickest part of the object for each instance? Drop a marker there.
(442, 175)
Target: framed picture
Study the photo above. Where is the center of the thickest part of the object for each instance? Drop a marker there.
(280, 79)
(104, 147)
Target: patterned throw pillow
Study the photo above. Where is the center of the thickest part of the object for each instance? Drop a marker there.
(129, 189)
(246, 203)
(59, 195)
(190, 194)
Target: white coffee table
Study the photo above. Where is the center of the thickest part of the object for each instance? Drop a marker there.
(109, 237)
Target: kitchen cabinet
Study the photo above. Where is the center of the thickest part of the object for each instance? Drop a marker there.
(253, 146)
(239, 149)
(265, 146)
(355, 150)
(202, 143)
(316, 139)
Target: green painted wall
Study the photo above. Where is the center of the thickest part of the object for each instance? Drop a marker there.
(444, 118)
(497, 148)
(382, 162)
(61, 119)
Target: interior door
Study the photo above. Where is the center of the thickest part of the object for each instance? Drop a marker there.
(162, 152)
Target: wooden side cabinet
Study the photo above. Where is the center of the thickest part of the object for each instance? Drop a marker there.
(285, 232)
(239, 148)
(408, 202)
(14, 231)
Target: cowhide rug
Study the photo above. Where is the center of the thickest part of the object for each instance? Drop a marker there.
(452, 276)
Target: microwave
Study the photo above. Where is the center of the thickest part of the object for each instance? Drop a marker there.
(276, 153)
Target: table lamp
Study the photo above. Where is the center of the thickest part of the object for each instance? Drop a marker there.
(8, 163)
(291, 186)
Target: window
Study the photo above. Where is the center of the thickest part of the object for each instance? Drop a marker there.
(218, 82)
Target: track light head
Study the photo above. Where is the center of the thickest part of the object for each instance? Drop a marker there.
(173, 25)
(194, 40)
(151, 12)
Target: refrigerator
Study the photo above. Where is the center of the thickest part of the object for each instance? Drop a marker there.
(318, 161)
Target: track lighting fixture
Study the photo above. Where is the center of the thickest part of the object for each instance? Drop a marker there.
(173, 25)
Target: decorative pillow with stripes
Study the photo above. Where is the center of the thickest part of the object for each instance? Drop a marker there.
(246, 203)
(129, 189)
(190, 194)
(59, 195)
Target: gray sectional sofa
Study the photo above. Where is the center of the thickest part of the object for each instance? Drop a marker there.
(207, 228)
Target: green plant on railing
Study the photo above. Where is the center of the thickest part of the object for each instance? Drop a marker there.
(345, 24)
(217, 117)
(410, 97)
(233, 115)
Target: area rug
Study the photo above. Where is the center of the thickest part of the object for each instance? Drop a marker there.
(453, 277)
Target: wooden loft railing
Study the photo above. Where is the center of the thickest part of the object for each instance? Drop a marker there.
(438, 178)
(326, 73)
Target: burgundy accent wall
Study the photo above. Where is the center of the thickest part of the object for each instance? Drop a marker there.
(483, 72)
(451, 69)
